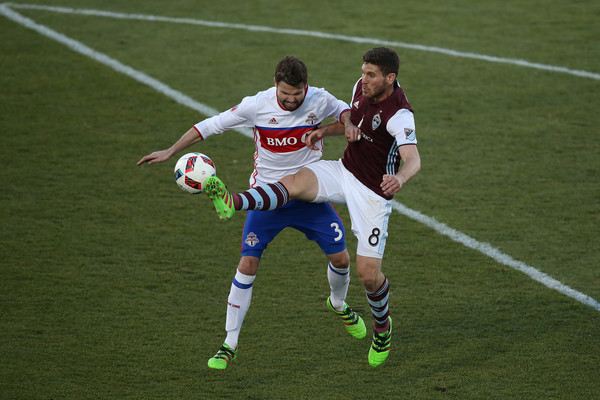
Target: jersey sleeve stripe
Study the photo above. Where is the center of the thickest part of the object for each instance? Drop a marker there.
(342, 113)
(199, 133)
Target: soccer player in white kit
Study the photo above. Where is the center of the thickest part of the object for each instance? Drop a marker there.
(380, 158)
(281, 118)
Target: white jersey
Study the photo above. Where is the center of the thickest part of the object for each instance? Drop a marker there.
(279, 134)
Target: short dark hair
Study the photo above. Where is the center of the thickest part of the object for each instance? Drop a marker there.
(386, 59)
(292, 71)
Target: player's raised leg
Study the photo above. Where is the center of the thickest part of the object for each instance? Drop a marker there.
(302, 185)
(261, 197)
(220, 196)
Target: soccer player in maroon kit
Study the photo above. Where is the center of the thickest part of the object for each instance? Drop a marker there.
(380, 158)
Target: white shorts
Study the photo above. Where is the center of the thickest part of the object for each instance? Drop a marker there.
(369, 212)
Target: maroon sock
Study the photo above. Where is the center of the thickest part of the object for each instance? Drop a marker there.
(261, 197)
(378, 301)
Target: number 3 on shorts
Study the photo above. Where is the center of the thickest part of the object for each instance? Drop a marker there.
(336, 229)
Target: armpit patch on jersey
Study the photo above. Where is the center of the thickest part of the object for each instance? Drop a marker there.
(410, 133)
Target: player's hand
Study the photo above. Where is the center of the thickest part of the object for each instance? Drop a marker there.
(313, 137)
(156, 157)
(353, 133)
(390, 184)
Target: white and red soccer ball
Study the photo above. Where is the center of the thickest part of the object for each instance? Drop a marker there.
(192, 170)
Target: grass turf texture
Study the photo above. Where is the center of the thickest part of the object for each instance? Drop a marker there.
(114, 281)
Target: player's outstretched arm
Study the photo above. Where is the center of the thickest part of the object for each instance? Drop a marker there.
(155, 157)
(185, 141)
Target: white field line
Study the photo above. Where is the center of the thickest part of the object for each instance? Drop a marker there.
(494, 253)
(112, 63)
(299, 32)
(183, 99)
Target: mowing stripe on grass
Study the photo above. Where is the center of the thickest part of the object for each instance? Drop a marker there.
(322, 35)
(187, 101)
(495, 254)
(112, 63)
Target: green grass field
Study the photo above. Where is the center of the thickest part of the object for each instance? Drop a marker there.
(114, 281)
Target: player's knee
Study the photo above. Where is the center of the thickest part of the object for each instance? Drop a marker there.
(367, 279)
(302, 185)
(340, 260)
(292, 185)
(248, 265)
(371, 278)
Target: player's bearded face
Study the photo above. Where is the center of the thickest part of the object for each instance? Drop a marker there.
(290, 97)
(375, 86)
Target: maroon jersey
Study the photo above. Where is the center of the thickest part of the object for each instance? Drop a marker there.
(376, 153)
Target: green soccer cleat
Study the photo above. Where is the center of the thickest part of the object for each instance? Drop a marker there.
(220, 197)
(223, 358)
(380, 346)
(354, 323)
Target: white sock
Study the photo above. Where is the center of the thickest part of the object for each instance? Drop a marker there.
(238, 303)
(339, 280)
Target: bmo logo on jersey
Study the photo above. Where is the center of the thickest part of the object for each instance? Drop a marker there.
(286, 141)
(283, 140)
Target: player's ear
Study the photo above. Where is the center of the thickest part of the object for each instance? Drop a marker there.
(275, 82)
(390, 78)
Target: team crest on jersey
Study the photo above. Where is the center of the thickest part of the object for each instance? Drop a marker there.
(312, 119)
(376, 121)
(410, 133)
(251, 239)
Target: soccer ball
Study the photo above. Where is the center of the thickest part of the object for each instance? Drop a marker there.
(192, 170)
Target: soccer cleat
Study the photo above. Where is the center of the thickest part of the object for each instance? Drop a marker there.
(380, 346)
(220, 197)
(354, 323)
(221, 360)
